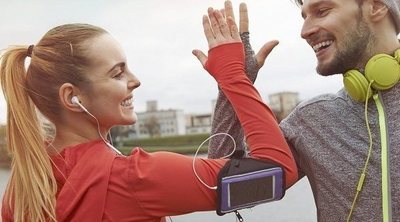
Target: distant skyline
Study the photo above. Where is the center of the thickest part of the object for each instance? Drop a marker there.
(158, 37)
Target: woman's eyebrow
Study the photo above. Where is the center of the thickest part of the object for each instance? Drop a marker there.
(120, 64)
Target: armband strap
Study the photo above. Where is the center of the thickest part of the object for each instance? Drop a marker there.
(245, 183)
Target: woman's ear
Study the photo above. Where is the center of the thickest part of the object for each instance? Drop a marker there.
(66, 92)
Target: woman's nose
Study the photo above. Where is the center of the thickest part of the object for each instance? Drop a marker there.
(133, 82)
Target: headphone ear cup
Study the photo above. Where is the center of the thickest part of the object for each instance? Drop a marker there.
(383, 70)
(397, 55)
(356, 85)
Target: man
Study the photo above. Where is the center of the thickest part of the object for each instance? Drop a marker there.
(341, 143)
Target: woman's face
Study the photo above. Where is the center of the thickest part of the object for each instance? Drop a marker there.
(109, 95)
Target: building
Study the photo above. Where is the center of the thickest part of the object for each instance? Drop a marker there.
(157, 123)
(173, 122)
(283, 103)
(198, 123)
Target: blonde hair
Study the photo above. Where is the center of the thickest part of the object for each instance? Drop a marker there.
(59, 57)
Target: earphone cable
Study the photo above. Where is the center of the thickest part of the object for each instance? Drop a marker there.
(99, 130)
(364, 171)
(105, 141)
(195, 155)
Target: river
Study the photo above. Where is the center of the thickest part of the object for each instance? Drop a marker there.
(297, 205)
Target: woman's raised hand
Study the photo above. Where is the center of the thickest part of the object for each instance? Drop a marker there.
(218, 31)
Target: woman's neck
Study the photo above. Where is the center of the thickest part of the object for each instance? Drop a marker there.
(73, 134)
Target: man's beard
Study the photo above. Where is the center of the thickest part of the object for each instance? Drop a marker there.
(351, 53)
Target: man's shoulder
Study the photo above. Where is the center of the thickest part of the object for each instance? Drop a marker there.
(321, 108)
(323, 101)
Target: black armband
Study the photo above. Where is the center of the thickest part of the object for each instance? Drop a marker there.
(247, 182)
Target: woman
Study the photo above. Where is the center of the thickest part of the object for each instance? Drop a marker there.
(79, 79)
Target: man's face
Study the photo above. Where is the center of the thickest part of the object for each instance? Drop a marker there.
(338, 34)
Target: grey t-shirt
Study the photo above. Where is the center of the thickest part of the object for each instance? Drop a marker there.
(329, 139)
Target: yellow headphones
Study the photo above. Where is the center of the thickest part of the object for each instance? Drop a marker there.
(382, 70)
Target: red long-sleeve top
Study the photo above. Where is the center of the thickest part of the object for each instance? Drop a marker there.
(95, 184)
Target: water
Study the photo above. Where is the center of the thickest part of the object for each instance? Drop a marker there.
(297, 205)
(4, 174)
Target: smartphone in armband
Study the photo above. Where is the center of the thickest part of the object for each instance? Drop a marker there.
(246, 182)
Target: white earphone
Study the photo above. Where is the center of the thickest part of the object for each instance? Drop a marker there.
(76, 101)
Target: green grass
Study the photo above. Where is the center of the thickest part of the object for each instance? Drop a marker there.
(186, 144)
(187, 150)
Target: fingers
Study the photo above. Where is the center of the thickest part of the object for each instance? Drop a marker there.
(214, 23)
(208, 32)
(200, 56)
(219, 30)
(243, 18)
(229, 10)
(223, 13)
(233, 29)
(264, 52)
(223, 25)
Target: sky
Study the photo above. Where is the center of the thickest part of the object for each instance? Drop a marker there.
(158, 37)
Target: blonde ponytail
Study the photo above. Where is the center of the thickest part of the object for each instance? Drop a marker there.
(31, 191)
(59, 57)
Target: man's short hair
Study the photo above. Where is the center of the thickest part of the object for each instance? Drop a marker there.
(393, 6)
(394, 9)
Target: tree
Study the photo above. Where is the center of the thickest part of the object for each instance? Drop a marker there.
(152, 126)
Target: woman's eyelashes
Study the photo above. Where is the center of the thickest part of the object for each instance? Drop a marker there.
(119, 72)
(120, 75)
